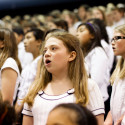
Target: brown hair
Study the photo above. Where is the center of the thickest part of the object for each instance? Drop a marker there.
(10, 46)
(76, 71)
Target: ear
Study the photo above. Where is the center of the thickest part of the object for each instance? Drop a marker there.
(92, 37)
(72, 56)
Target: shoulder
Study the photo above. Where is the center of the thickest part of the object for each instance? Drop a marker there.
(99, 49)
(96, 103)
(99, 52)
(37, 59)
(10, 63)
(93, 87)
(91, 84)
(96, 51)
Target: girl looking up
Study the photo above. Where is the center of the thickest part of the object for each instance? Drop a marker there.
(95, 55)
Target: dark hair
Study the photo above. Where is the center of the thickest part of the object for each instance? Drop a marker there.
(30, 24)
(102, 27)
(61, 23)
(85, 6)
(18, 30)
(95, 31)
(7, 114)
(83, 115)
(38, 33)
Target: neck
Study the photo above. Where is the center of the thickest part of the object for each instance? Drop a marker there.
(62, 78)
(36, 54)
(59, 85)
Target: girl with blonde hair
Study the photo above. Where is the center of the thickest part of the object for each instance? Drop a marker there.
(116, 114)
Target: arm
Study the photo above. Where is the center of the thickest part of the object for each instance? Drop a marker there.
(108, 120)
(100, 119)
(18, 108)
(8, 80)
(118, 122)
(27, 120)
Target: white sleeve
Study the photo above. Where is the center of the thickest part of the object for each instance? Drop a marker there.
(96, 103)
(99, 67)
(27, 78)
(10, 63)
(27, 110)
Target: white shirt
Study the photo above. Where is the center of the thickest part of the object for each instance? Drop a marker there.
(44, 103)
(27, 77)
(117, 103)
(24, 57)
(11, 63)
(97, 62)
(109, 30)
(121, 22)
(109, 51)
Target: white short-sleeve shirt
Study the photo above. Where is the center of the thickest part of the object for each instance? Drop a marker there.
(11, 63)
(117, 102)
(98, 67)
(27, 77)
(44, 103)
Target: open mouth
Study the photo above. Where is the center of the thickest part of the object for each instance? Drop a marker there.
(25, 46)
(47, 61)
(113, 48)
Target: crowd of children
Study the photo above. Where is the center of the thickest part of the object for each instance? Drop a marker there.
(63, 67)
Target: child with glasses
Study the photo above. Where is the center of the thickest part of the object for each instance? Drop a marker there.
(116, 115)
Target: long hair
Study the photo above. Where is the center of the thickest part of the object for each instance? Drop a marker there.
(119, 71)
(102, 26)
(10, 47)
(76, 72)
(96, 41)
(102, 12)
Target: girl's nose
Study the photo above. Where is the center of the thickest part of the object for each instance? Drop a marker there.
(24, 41)
(47, 53)
(113, 42)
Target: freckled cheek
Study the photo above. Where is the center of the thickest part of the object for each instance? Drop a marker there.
(57, 57)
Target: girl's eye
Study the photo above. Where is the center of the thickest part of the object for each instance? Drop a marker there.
(27, 37)
(53, 48)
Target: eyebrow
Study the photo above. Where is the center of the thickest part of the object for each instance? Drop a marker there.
(51, 45)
